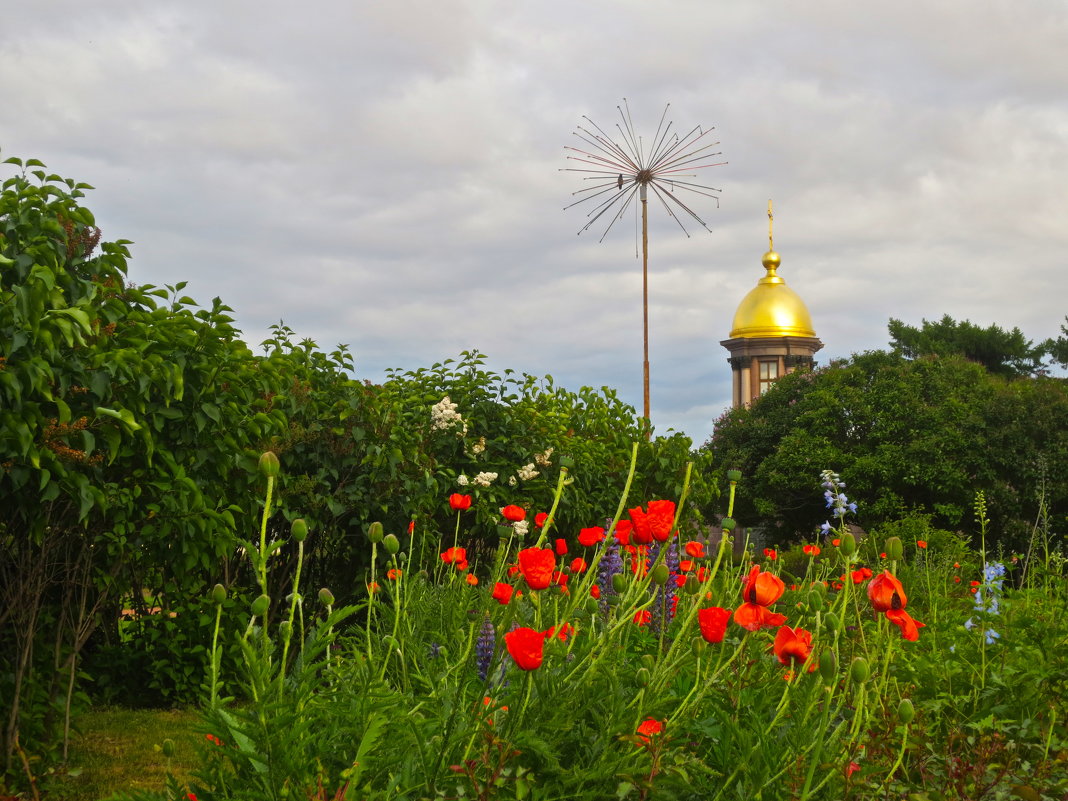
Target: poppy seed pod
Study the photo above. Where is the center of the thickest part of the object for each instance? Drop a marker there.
(828, 666)
(299, 530)
(259, 606)
(269, 464)
(859, 671)
(643, 677)
(734, 475)
(849, 544)
(375, 532)
(592, 606)
(326, 597)
(218, 594)
(648, 661)
(830, 620)
(906, 711)
(815, 600)
(619, 582)
(392, 543)
(168, 748)
(894, 548)
(727, 524)
(692, 586)
(660, 575)
(285, 629)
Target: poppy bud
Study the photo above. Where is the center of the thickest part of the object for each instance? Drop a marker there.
(504, 532)
(390, 642)
(643, 677)
(474, 614)
(828, 666)
(830, 620)
(619, 582)
(592, 606)
(648, 661)
(660, 575)
(894, 549)
(692, 586)
(727, 524)
(375, 532)
(285, 629)
(566, 462)
(849, 544)
(859, 671)
(298, 530)
(259, 606)
(905, 711)
(269, 464)
(815, 600)
(326, 597)
(392, 543)
(613, 600)
(734, 475)
(168, 748)
(698, 646)
(218, 594)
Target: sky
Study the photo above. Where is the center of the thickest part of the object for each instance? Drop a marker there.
(391, 175)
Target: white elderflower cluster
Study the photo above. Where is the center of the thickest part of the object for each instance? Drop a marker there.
(479, 447)
(521, 527)
(543, 458)
(461, 480)
(512, 481)
(484, 479)
(527, 472)
(443, 415)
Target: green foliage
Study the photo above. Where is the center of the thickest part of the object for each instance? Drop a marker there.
(1004, 353)
(921, 435)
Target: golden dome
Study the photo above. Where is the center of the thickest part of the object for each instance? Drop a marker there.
(772, 309)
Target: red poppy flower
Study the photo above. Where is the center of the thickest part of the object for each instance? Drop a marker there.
(680, 581)
(642, 616)
(459, 502)
(713, 623)
(792, 646)
(455, 556)
(957, 579)
(654, 524)
(526, 646)
(411, 526)
(921, 543)
(648, 728)
(595, 592)
(885, 592)
(578, 565)
(811, 550)
(537, 565)
(559, 577)
(561, 547)
(836, 542)
(861, 575)
(910, 629)
(540, 518)
(852, 768)
(882, 555)
(771, 554)
(755, 617)
(590, 536)
(502, 593)
(373, 587)
(565, 631)
(695, 549)
(393, 574)
(471, 579)
(762, 588)
(623, 530)
(211, 738)
(514, 513)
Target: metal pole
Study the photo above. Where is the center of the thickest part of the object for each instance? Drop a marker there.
(645, 304)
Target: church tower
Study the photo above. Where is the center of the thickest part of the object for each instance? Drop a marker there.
(772, 334)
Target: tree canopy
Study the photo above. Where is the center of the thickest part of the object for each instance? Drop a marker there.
(919, 435)
(1005, 353)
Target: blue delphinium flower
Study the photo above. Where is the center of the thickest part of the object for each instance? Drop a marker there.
(988, 597)
(835, 498)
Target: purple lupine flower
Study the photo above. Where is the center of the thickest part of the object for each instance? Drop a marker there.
(611, 563)
(484, 646)
(663, 606)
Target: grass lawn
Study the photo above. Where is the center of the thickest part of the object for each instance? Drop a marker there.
(120, 749)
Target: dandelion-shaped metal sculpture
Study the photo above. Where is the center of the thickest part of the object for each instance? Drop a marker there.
(619, 172)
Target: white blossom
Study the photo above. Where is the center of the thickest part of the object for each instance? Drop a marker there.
(543, 458)
(512, 481)
(484, 479)
(461, 480)
(521, 527)
(527, 472)
(479, 446)
(443, 415)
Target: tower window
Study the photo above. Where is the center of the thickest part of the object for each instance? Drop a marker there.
(769, 371)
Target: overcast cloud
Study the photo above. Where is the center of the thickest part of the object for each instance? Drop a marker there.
(388, 174)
